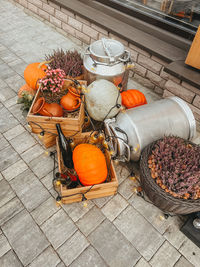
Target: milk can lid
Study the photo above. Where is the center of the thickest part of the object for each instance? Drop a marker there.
(107, 48)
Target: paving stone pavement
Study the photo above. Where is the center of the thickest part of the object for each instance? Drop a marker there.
(121, 230)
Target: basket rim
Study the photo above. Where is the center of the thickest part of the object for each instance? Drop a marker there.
(145, 175)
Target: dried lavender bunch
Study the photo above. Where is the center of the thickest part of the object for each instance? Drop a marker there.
(175, 166)
(69, 61)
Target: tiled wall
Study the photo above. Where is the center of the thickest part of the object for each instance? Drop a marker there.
(148, 68)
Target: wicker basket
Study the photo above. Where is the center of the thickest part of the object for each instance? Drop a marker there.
(157, 195)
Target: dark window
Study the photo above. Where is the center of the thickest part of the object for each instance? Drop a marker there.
(181, 17)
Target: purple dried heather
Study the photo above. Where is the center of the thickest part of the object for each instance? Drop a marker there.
(175, 166)
(69, 61)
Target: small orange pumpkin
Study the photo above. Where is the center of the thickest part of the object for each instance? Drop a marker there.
(25, 88)
(133, 98)
(33, 73)
(90, 164)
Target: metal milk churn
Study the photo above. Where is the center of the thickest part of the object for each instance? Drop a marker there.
(107, 59)
(134, 129)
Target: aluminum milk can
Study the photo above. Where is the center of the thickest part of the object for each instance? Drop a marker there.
(140, 126)
(107, 59)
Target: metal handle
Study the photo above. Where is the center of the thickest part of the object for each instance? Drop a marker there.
(127, 155)
(107, 123)
(103, 40)
(87, 51)
(127, 58)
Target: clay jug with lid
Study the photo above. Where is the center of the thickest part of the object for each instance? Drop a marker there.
(45, 109)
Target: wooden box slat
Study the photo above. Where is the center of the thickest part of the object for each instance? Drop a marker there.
(99, 190)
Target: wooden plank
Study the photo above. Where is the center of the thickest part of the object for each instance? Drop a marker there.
(88, 196)
(49, 140)
(36, 129)
(193, 57)
(51, 127)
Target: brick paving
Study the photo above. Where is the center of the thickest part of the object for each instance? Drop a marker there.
(122, 230)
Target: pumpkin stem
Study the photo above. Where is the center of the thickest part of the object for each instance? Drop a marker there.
(44, 62)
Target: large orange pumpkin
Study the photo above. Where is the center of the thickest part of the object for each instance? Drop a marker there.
(133, 98)
(26, 88)
(33, 73)
(90, 164)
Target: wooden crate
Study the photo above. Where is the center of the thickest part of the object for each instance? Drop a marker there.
(99, 190)
(69, 126)
(193, 57)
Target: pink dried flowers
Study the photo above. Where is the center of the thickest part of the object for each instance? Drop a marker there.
(53, 81)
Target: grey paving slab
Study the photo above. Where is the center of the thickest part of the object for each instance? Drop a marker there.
(174, 235)
(139, 232)
(18, 114)
(182, 262)
(15, 131)
(15, 81)
(2, 84)
(8, 156)
(153, 214)
(48, 258)
(41, 165)
(72, 248)
(126, 188)
(6, 192)
(32, 153)
(11, 101)
(6, 71)
(6, 93)
(3, 143)
(15, 169)
(47, 180)
(22, 142)
(89, 258)
(7, 121)
(122, 172)
(191, 252)
(8, 56)
(58, 228)
(10, 209)
(45, 210)
(113, 247)
(31, 195)
(10, 260)
(61, 264)
(90, 220)
(100, 202)
(77, 210)
(12, 65)
(25, 237)
(167, 255)
(2, 47)
(142, 263)
(4, 245)
(19, 69)
(114, 207)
